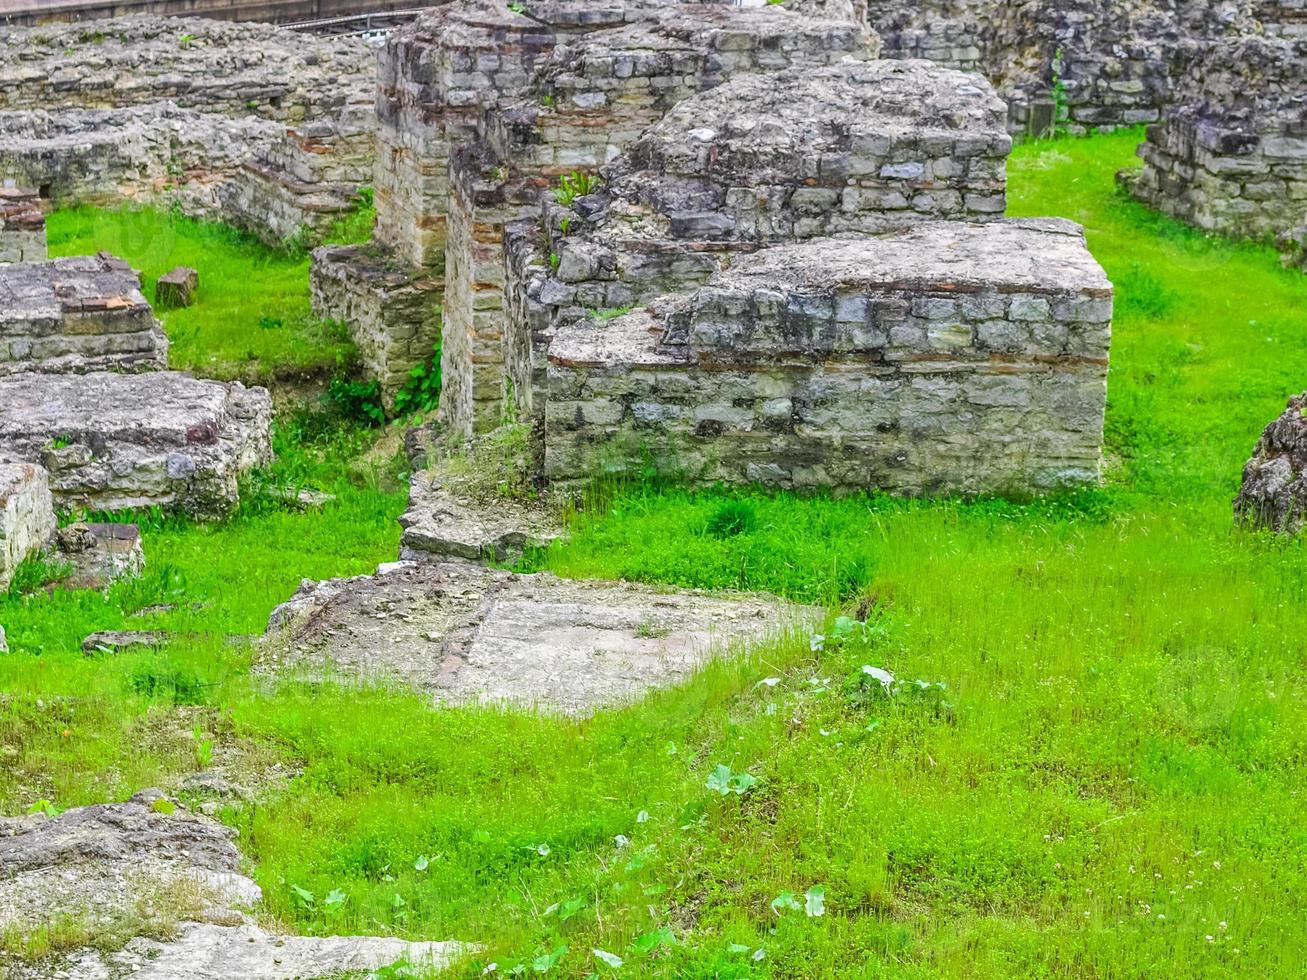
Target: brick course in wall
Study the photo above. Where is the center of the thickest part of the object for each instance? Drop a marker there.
(22, 225)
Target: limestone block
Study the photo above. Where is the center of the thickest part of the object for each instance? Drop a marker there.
(176, 287)
(113, 441)
(26, 515)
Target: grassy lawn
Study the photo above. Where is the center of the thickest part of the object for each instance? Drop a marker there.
(1110, 784)
(251, 320)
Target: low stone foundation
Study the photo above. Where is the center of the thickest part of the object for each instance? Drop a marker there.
(392, 312)
(461, 633)
(952, 358)
(22, 226)
(1231, 154)
(26, 516)
(120, 441)
(77, 314)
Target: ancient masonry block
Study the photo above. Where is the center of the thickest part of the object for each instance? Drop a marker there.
(1274, 490)
(26, 515)
(22, 225)
(1231, 155)
(77, 314)
(955, 357)
(393, 310)
(113, 441)
(855, 147)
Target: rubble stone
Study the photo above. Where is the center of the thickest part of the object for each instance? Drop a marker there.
(115, 441)
(26, 515)
(97, 554)
(176, 287)
(463, 632)
(174, 872)
(77, 314)
(951, 358)
(1274, 490)
(22, 225)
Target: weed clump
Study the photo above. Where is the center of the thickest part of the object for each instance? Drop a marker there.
(732, 518)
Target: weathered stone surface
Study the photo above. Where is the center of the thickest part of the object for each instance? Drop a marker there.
(950, 358)
(77, 314)
(149, 863)
(852, 147)
(393, 311)
(1274, 490)
(113, 441)
(176, 287)
(1118, 61)
(26, 515)
(4, 641)
(463, 632)
(97, 554)
(22, 225)
(1230, 153)
(231, 68)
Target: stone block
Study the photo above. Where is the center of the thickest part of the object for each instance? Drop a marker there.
(27, 518)
(1274, 490)
(116, 441)
(77, 314)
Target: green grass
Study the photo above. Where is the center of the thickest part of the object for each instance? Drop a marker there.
(1113, 789)
(251, 319)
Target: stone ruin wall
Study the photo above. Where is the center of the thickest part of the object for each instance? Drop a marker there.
(480, 108)
(825, 320)
(1232, 155)
(77, 314)
(1120, 59)
(22, 226)
(269, 130)
(762, 159)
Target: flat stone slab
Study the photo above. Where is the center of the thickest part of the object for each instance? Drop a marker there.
(26, 515)
(150, 857)
(77, 314)
(466, 633)
(117, 441)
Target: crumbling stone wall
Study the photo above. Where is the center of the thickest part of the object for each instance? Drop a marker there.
(1273, 494)
(22, 225)
(1231, 155)
(270, 130)
(26, 516)
(77, 314)
(954, 357)
(393, 312)
(1099, 63)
